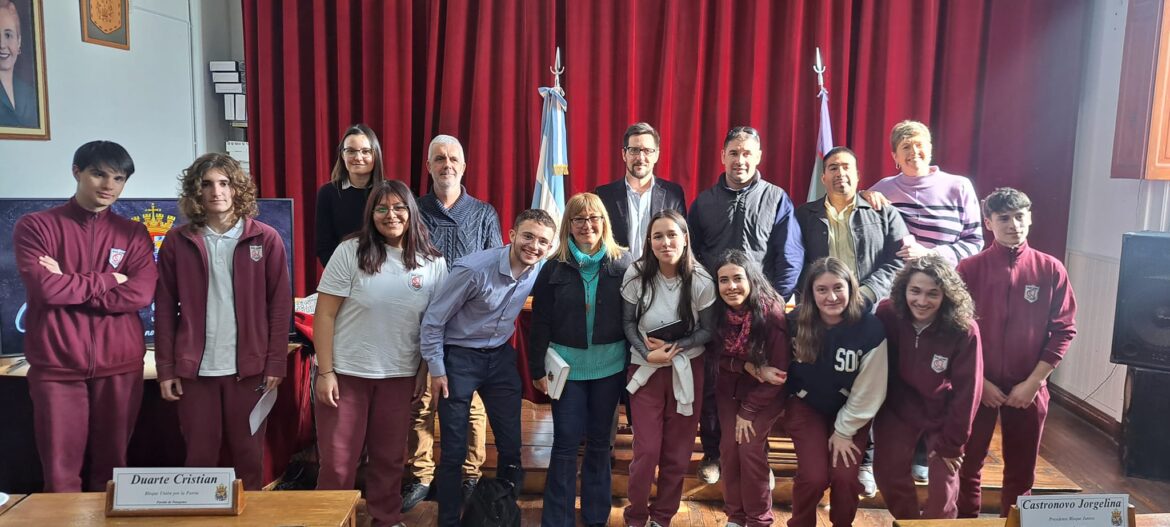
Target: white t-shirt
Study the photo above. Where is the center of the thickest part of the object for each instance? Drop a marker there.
(667, 294)
(376, 335)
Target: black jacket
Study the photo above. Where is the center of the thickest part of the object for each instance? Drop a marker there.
(664, 195)
(558, 308)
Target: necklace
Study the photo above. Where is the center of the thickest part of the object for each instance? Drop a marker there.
(918, 329)
(672, 284)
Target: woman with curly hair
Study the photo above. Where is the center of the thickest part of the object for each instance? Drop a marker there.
(222, 308)
(934, 388)
(836, 383)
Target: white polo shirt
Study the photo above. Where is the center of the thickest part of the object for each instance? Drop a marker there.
(219, 348)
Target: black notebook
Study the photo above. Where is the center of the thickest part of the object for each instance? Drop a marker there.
(669, 332)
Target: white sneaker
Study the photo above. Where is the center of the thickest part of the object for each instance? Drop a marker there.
(709, 471)
(868, 484)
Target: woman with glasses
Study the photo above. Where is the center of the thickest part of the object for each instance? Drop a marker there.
(836, 383)
(753, 356)
(668, 316)
(576, 313)
(366, 327)
(340, 202)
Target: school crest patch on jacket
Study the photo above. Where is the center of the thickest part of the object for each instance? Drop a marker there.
(1031, 293)
(939, 363)
(416, 281)
(256, 252)
(116, 257)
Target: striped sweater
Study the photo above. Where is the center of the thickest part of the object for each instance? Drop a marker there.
(941, 210)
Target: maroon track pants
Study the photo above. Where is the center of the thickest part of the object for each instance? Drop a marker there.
(894, 441)
(1021, 432)
(744, 467)
(810, 431)
(83, 421)
(213, 411)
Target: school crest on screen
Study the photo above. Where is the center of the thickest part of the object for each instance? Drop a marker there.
(939, 363)
(1031, 293)
(116, 257)
(256, 252)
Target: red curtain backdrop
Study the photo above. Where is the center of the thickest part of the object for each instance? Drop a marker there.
(998, 82)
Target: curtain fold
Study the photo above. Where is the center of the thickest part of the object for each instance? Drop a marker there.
(998, 82)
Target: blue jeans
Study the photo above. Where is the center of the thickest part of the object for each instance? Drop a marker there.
(491, 372)
(584, 411)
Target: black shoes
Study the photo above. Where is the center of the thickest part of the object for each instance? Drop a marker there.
(413, 494)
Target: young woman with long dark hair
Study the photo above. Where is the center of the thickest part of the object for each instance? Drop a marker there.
(370, 305)
(669, 315)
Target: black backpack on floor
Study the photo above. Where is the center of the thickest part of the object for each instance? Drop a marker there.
(492, 504)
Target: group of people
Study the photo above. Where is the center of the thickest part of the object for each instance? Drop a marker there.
(908, 340)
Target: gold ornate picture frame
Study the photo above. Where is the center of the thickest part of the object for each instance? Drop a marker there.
(24, 99)
(106, 23)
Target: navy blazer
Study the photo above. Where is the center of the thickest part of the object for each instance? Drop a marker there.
(664, 195)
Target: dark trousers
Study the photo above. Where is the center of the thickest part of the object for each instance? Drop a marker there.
(492, 373)
(214, 411)
(83, 422)
(896, 442)
(709, 432)
(584, 411)
(810, 431)
(1021, 446)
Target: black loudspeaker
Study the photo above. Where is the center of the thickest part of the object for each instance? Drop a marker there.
(1141, 324)
(1144, 424)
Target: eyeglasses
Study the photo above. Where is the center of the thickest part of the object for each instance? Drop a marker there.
(399, 209)
(580, 222)
(635, 151)
(352, 152)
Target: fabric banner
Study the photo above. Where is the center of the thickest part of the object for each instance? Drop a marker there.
(553, 164)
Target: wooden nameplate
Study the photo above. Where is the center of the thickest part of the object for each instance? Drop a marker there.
(235, 510)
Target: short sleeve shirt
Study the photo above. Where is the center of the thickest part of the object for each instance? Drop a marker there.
(376, 335)
(667, 294)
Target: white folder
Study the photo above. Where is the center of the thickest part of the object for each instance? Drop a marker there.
(558, 373)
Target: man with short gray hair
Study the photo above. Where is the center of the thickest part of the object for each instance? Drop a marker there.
(459, 225)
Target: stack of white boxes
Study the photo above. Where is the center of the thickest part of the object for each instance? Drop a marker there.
(239, 151)
(228, 78)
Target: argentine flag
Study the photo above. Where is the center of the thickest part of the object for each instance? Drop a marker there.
(554, 155)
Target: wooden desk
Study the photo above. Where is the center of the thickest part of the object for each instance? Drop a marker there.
(308, 508)
(13, 499)
(1143, 520)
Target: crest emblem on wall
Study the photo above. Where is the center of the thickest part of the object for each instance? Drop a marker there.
(106, 14)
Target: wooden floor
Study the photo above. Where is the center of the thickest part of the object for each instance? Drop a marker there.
(1074, 456)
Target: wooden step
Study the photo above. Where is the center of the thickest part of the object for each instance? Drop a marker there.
(536, 450)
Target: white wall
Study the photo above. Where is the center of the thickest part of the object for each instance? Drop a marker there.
(1102, 210)
(151, 99)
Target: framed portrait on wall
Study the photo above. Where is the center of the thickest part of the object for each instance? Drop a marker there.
(106, 22)
(24, 101)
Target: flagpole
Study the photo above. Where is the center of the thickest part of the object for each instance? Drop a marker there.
(824, 130)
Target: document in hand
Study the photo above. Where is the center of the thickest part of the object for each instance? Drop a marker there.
(260, 411)
(558, 373)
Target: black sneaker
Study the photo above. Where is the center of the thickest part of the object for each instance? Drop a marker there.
(413, 494)
(469, 487)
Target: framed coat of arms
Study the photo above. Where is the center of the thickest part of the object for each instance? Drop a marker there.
(106, 23)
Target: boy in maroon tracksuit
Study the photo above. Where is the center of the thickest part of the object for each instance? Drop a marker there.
(1026, 316)
(87, 272)
(228, 343)
(936, 380)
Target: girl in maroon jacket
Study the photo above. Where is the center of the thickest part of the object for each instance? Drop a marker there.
(753, 364)
(227, 345)
(936, 377)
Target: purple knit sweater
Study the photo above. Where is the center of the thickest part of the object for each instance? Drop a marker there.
(940, 209)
